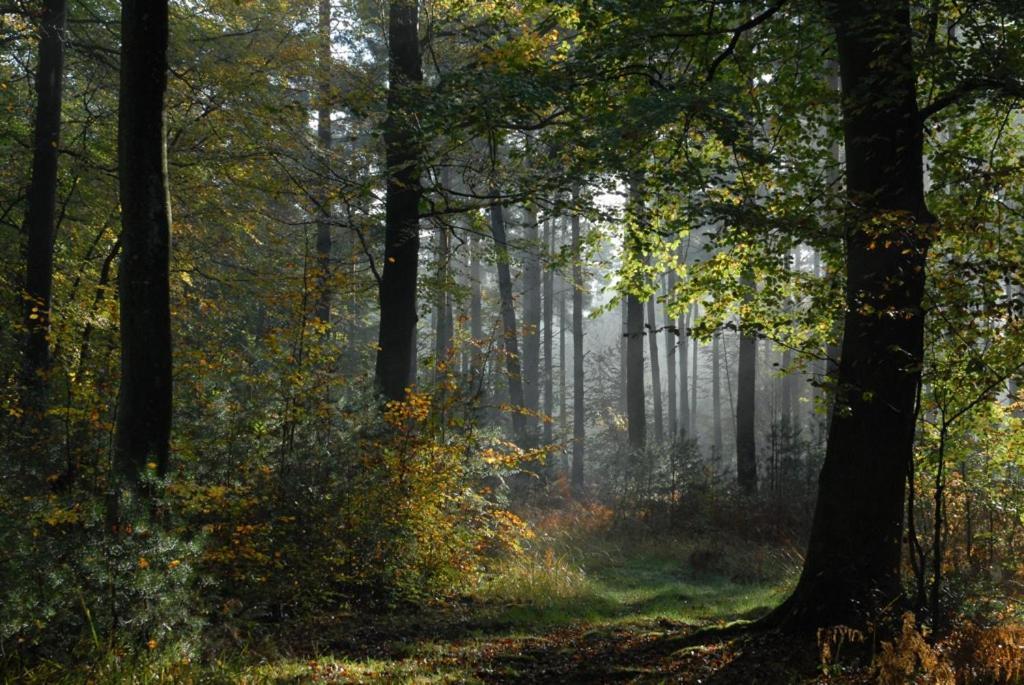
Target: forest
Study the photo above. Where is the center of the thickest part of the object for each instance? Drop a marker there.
(512, 341)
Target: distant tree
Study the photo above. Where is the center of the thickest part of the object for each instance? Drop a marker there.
(652, 347)
(578, 400)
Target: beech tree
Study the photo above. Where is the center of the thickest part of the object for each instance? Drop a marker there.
(396, 332)
(143, 432)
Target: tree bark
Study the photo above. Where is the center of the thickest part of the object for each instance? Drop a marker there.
(746, 446)
(716, 397)
(693, 387)
(852, 567)
(476, 323)
(143, 431)
(652, 346)
(671, 344)
(531, 325)
(635, 402)
(510, 337)
(40, 214)
(396, 337)
(578, 424)
(323, 135)
(549, 340)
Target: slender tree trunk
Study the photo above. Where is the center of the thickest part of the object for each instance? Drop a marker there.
(323, 135)
(671, 343)
(443, 324)
(716, 396)
(684, 377)
(852, 566)
(510, 337)
(652, 345)
(396, 349)
(746, 447)
(143, 431)
(531, 324)
(636, 414)
(563, 323)
(623, 354)
(40, 214)
(476, 323)
(549, 339)
(579, 425)
(693, 383)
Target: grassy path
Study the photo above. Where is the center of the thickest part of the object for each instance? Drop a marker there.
(610, 613)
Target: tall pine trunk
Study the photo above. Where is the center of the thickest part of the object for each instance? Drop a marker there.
(716, 397)
(852, 566)
(652, 345)
(531, 324)
(396, 337)
(323, 135)
(693, 382)
(671, 345)
(143, 430)
(578, 408)
(746, 447)
(40, 214)
(510, 336)
(549, 340)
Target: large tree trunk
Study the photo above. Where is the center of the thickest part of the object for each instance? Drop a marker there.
(852, 567)
(746, 447)
(652, 345)
(549, 339)
(578, 424)
(671, 344)
(41, 211)
(396, 337)
(510, 336)
(143, 429)
(531, 324)
(322, 309)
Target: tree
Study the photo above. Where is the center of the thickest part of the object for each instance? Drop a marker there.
(143, 431)
(549, 340)
(40, 215)
(510, 336)
(746, 447)
(670, 360)
(652, 346)
(396, 334)
(716, 396)
(532, 312)
(578, 406)
(852, 567)
(323, 135)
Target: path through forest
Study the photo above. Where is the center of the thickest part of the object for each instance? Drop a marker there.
(610, 613)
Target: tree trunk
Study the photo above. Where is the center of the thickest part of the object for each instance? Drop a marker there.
(40, 213)
(396, 337)
(578, 425)
(684, 379)
(510, 337)
(143, 431)
(476, 323)
(716, 397)
(549, 339)
(623, 353)
(635, 402)
(852, 567)
(531, 325)
(443, 324)
(746, 446)
(323, 135)
(671, 344)
(652, 345)
(693, 387)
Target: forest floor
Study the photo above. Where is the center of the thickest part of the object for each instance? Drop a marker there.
(607, 611)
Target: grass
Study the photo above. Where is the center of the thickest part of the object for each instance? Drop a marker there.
(562, 610)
